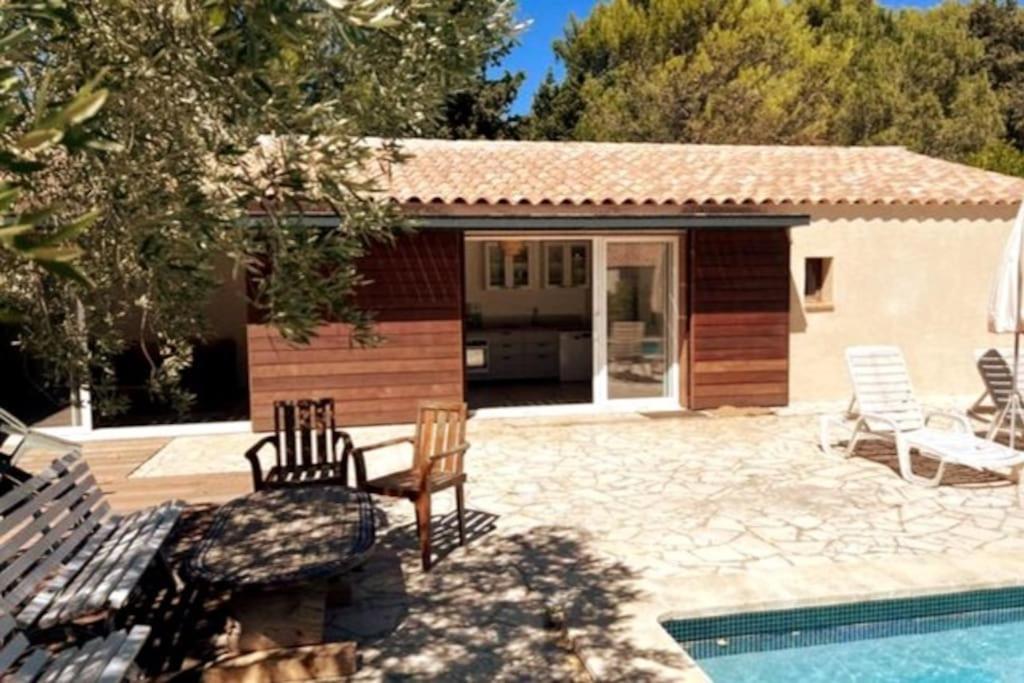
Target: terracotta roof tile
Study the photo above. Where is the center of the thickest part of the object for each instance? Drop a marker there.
(560, 173)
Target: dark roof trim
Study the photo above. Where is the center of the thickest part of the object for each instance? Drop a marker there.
(527, 223)
(721, 221)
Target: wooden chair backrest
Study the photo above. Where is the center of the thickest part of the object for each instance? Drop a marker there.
(440, 427)
(43, 522)
(626, 339)
(305, 432)
(996, 369)
(881, 386)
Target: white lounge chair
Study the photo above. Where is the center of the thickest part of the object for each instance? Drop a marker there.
(996, 369)
(884, 407)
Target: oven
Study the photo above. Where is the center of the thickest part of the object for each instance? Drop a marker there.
(477, 357)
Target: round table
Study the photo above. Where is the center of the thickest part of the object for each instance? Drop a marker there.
(276, 549)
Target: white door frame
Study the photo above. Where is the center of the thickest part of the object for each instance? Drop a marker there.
(600, 332)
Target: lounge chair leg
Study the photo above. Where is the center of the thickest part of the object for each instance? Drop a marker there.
(460, 504)
(423, 527)
(907, 468)
(1017, 474)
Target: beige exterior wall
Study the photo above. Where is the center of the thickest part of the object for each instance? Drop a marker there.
(915, 276)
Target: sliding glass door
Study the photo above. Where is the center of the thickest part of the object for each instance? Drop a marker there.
(635, 321)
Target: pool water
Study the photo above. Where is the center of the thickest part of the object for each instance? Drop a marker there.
(963, 638)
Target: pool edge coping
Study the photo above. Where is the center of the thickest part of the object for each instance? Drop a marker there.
(661, 658)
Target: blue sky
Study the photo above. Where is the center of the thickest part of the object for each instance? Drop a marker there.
(535, 56)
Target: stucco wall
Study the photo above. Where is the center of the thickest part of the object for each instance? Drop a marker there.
(914, 276)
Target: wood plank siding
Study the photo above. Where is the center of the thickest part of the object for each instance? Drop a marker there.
(416, 291)
(739, 344)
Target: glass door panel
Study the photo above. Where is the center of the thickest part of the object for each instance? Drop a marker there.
(639, 315)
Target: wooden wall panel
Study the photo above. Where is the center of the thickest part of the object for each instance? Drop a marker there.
(739, 346)
(416, 293)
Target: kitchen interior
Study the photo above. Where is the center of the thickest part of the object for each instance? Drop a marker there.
(528, 322)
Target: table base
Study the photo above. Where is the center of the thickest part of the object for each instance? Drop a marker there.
(265, 620)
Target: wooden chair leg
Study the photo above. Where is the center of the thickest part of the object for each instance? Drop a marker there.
(460, 503)
(423, 527)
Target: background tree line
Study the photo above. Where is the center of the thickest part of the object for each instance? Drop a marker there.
(946, 81)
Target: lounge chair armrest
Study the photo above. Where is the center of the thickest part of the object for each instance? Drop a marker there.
(826, 424)
(383, 444)
(961, 421)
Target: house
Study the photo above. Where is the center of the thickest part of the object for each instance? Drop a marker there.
(546, 276)
(652, 277)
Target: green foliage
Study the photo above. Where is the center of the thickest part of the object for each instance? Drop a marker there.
(999, 24)
(768, 71)
(480, 108)
(215, 108)
(33, 130)
(1001, 157)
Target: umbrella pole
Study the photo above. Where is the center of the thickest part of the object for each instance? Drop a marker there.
(1015, 394)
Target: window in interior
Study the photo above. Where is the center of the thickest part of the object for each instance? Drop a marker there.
(506, 264)
(520, 266)
(579, 265)
(554, 255)
(495, 266)
(566, 264)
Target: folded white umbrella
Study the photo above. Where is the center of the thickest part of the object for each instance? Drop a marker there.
(1004, 310)
(1004, 314)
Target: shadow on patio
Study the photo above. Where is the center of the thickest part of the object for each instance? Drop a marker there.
(490, 611)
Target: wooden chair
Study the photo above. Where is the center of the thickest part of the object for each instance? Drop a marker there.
(306, 447)
(439, 447)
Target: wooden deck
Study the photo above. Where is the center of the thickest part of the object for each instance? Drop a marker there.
(113, 461)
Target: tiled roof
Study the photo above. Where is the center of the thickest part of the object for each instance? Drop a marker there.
(583, 173)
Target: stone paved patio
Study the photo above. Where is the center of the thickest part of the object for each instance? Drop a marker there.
(599, 516)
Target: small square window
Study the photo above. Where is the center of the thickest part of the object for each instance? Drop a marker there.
(818, 284)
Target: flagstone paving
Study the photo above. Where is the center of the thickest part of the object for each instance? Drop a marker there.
(592, 515)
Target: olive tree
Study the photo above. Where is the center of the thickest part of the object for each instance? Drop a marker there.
(215, 110)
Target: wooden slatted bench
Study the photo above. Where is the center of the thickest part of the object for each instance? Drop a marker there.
(101, 660)
(63, 556)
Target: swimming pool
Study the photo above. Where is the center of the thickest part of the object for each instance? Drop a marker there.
(975, 637)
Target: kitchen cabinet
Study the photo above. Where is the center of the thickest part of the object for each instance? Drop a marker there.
(517, 354)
